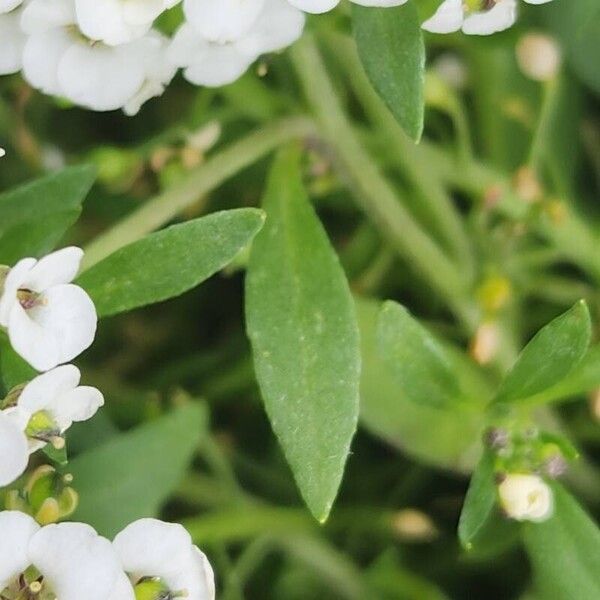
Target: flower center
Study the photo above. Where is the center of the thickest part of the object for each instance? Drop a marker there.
(154, 588)
(28, 299)
(479, 5)
(29, 585)
(42, 427)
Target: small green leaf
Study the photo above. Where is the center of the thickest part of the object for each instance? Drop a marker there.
(35, 216)
(480, 501)
(388, 413)
(391, 48)
(418, 362)
(550, 356)
(302, 325)
(565, 552)
(57, 456)
(133, 474)
(170, 262)
(13, 369)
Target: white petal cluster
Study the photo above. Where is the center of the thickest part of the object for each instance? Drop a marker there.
(475, 17)
(71, 561)
(526, 497)
(40, 414)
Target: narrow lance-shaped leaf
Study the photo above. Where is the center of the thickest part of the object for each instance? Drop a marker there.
(565, 552)
(550, 356)
(304, 335)
(35, 216)
(170, 262)
(418, 362)
(133, 473)
(479, 501)
(391, 48)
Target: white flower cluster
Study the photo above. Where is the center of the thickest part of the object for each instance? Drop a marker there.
(49, 321)
(148, 560)
(475, 17)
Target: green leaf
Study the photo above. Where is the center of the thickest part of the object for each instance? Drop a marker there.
(35, 216)
(565, 552)
(387, 411)
(13, 369)
(480, 501)
(416, 359)
(133, 474)
(302, 326)
(170, 262)
(550, 356)
(577, 25)
(392, 51)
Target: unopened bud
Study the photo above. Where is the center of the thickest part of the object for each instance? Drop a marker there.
(555, 466)
(48, 513)
(538, 56)
(525, 497)
(496, 438)
(527, 185)
(484, 345)
(414, 525)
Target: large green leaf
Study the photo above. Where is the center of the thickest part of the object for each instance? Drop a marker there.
(387, 411)
(565, 552)
(550, 356)
(133, 474)
(170, 262)
(391, 48)
(35, 216)
(418, 361)
(302, 326)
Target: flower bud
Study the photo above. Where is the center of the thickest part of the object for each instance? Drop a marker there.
(525, 497)
(538, 56)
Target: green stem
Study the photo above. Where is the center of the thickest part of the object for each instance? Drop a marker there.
(435, 201)
(374, 194)
(166, 206)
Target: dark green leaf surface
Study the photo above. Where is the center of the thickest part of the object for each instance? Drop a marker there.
(479, 501)
(133, 474)
(13, 369)
(35, 216)
(419, 363)
(302, 325)
(170, 262)
(391, 48)
(550, 356)
(565, 552)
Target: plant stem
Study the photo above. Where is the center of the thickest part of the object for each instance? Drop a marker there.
(374, 194)
(208, 176)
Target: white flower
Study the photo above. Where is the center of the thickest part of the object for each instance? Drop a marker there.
(321, 6)
(526, 497)
(12, 41)
(8, 5)
(475, 17)
(158, 70)
(118, 21)
(49, 320)
(59, 60)
(161, 556)
(214, 62)
(40, 414)
(72, 560)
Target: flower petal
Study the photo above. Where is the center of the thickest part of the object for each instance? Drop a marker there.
(500, 17)
(14, 454)
(79, 404)
(44, 15)
(314, 6)
(222, 21)
(13, 42)
(12, 283)
(43, 392)
(68, 313)
(56, 268)
(17, 530)
(447, 18)
(76, 561)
